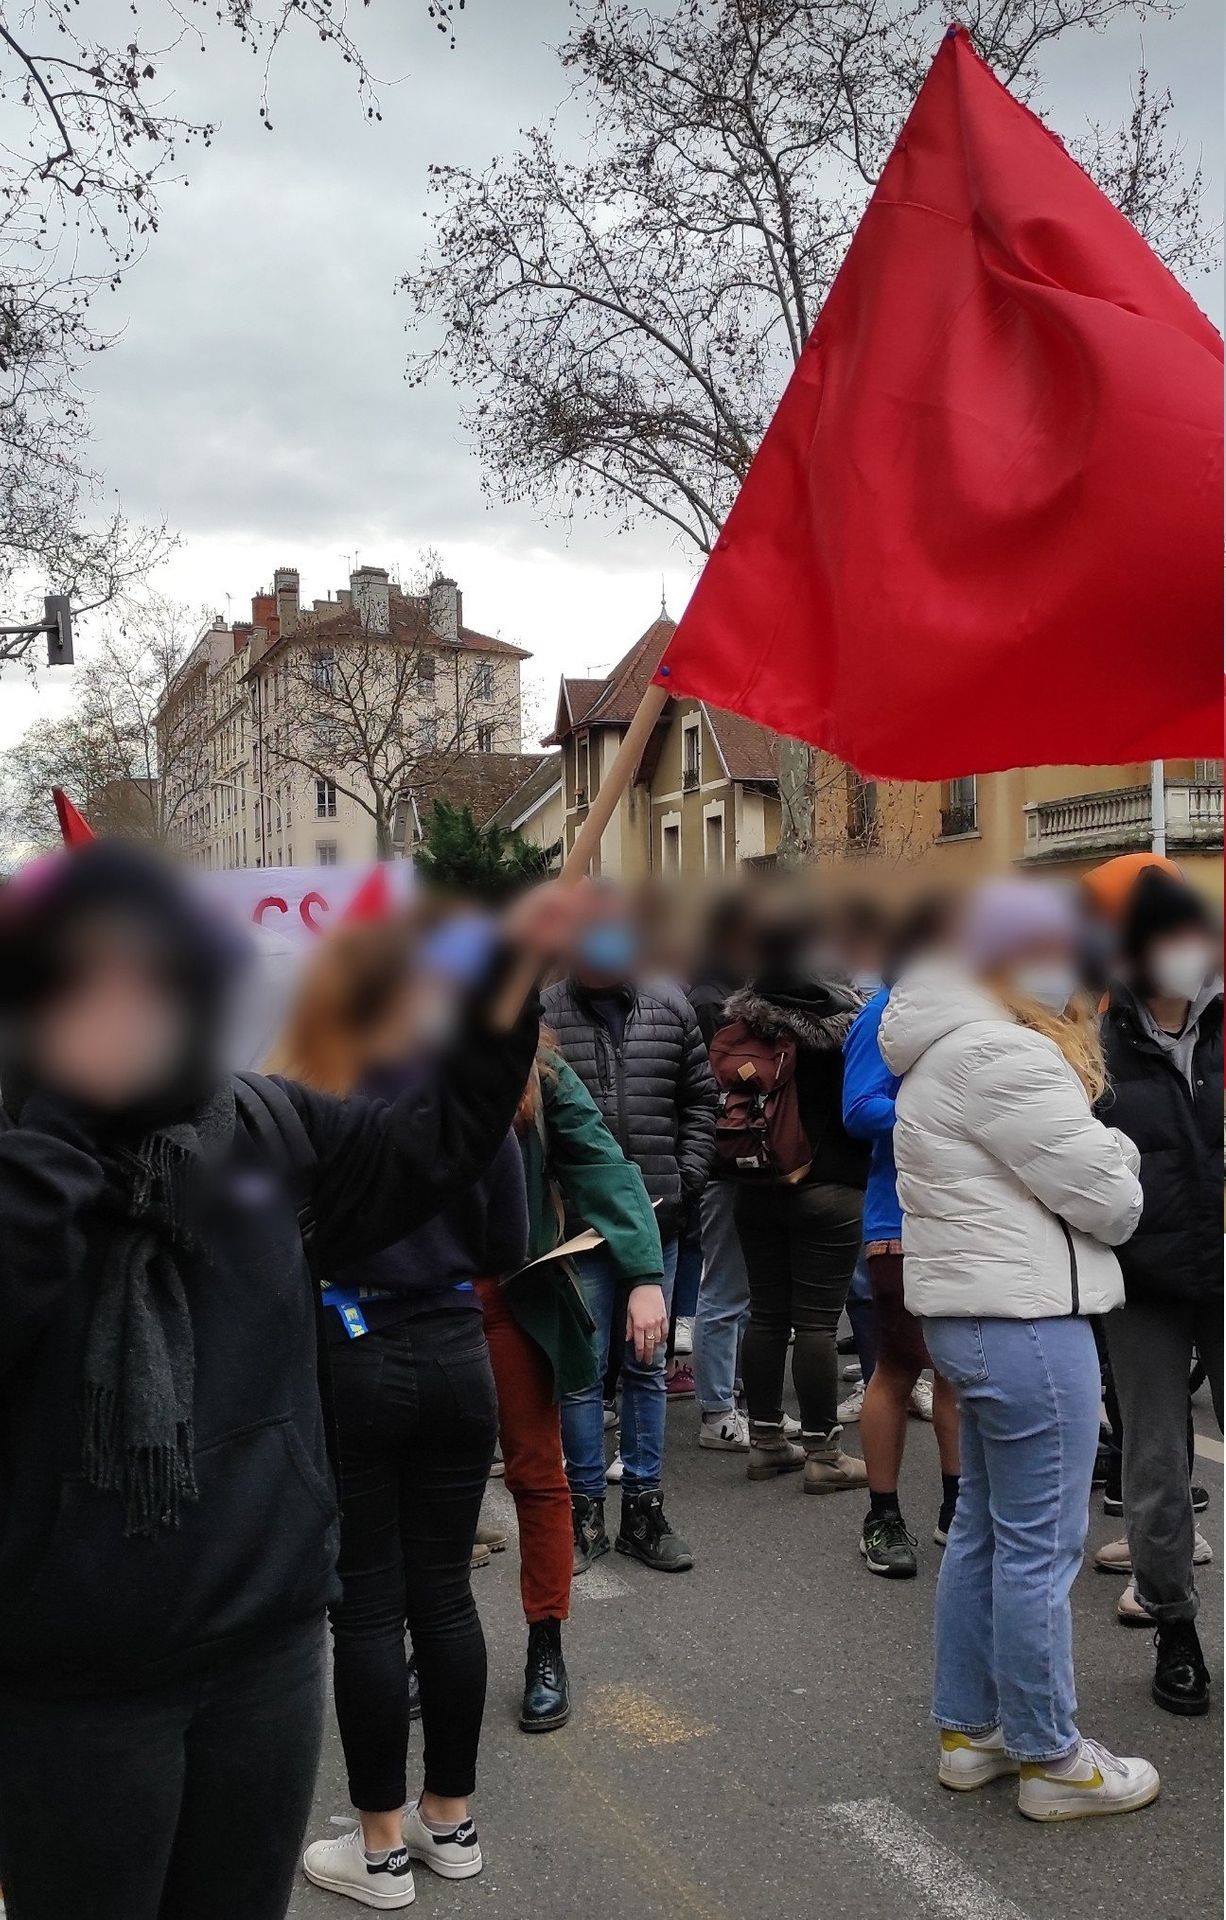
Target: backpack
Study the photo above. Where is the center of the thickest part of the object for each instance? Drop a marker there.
(759, 1134)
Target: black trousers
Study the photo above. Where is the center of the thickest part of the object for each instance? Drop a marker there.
(188, 1801)
(417, 1419)
(800, 1246)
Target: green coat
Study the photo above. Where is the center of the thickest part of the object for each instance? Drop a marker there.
(572, 1154)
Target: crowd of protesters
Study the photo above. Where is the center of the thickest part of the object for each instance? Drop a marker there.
(262, 1333)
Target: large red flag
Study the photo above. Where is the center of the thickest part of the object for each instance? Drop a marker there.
(983, 529)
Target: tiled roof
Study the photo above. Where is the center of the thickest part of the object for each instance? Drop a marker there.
(545, 774)
(406, 622)
(748, 751)
(480, 781)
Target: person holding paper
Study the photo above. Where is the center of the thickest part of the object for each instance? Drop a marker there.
(541, 1339)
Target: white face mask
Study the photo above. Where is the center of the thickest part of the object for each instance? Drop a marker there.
(1180, 968)
(1051, 982)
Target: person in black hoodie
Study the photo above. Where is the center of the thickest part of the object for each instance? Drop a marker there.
(167, 1522)
(1162, 1038)
(801, 1237)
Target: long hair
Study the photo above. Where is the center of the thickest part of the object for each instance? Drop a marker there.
(1075, 1032)
(544, 1067)
(346, 991)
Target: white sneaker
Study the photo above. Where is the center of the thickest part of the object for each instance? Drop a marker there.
(791, 1428)
(724, 1432)
(920, 1403)
(1116, 1558)
(683, 1338)
(849, 1409)
(614, 1471)
(851, 1371)
(454, 1856)
(970, 1760)
(342, 1867)
(1099, 1782)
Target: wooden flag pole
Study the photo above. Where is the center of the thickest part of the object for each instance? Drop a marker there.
(604, 802)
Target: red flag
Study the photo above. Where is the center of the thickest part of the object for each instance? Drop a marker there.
(373, 899)
(74, 827)
(983, 528)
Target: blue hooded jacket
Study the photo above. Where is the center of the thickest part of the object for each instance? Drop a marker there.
(869, 1089)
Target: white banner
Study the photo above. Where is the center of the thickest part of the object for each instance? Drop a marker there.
(300, 902)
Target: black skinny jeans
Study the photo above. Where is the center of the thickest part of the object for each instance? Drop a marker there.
(800, 1246)
(186, 1801)
(417, 1419)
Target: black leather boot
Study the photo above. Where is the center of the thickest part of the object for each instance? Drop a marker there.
(591, 1540)
(546, 1687)
(1181, 1678)
(646, 1535)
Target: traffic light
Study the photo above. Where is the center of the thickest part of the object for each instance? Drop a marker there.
(58, 616)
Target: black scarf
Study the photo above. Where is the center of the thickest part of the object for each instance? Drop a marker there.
(140, 1365)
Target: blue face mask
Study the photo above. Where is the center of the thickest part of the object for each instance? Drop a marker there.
(608, 949)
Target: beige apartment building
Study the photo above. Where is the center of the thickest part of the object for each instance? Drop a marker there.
(705, 799)
(300, 703)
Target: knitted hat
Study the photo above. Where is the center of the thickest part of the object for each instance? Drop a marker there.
(1006, 918)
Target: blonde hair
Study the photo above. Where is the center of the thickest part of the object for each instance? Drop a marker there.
(1075, 1032)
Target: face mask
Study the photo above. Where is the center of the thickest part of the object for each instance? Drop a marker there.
(1180, 968)
(608, 949)
(1051, 982)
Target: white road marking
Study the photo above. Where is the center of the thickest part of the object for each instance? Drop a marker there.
(1208, 1448)
(598, 1584)
(946, 1886)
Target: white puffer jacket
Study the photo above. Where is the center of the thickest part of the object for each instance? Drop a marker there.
(1012, 1192)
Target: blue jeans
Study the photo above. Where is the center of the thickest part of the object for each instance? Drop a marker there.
(644, 1403)
(723, 1300)
(1028, 1391)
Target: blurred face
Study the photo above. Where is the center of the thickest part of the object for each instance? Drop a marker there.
(607, 947)
(1179, 966)
(115, 1031)
(1046, 973)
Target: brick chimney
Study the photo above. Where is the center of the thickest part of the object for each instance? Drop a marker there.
(368, 588)
(285, 587)
(446, 608)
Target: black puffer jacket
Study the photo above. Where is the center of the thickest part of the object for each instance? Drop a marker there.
(655, 1091)
(1176, 1252)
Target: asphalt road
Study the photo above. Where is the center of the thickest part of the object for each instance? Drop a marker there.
(751, 1738)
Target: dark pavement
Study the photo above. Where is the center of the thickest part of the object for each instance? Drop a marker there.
(751, 1738)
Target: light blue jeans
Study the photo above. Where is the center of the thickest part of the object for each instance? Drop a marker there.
(1028, 1391)
(723, 1300)
(644, 1402)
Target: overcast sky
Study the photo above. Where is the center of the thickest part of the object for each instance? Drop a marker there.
(256, 398)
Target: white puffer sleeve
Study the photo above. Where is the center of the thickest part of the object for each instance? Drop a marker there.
(1023, 1105)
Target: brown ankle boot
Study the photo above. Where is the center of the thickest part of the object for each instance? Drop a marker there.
(827, 1468)
(771, 1452)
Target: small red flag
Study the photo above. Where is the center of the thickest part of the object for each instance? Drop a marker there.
(983, 528)
(373, 899)
(75, 829)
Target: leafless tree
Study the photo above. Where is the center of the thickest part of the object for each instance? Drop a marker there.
(91, 139)
(622, 324)
(382, 713)
(128, 775)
